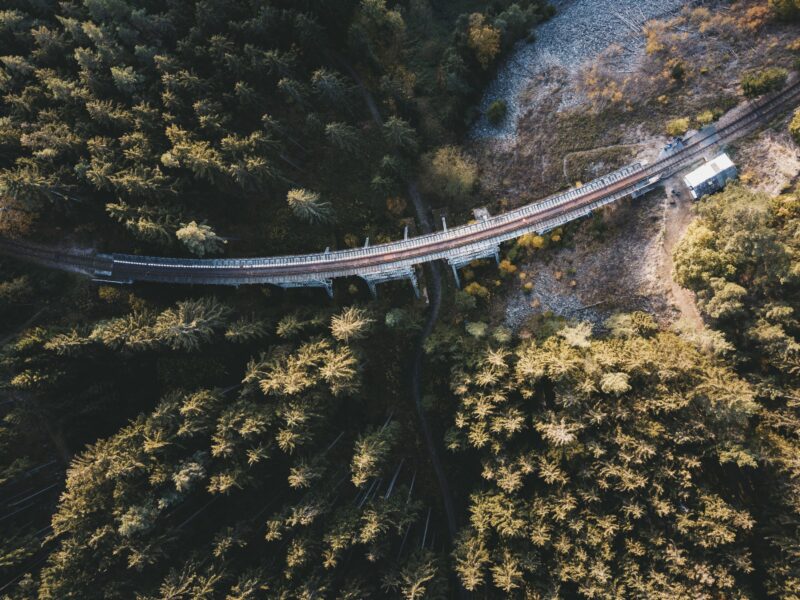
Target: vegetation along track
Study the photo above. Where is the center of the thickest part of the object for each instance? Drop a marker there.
(538, 217)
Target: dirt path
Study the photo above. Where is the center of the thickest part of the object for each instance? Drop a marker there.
(433, 273)
(677, 218)
(434, 279)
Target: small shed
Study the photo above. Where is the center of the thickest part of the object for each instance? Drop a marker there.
(711, 177)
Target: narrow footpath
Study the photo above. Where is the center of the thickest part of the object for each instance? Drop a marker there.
(434, 278)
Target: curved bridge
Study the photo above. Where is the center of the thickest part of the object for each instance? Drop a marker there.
(396, 260)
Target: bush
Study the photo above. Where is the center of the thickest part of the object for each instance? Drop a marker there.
(786, 10)
(763, 81)
(464, 302)
(477, 329)
(476, 290)
(677, 70)
(705, 118)
(794, 126)
(199, 238)
(449, 173)
(507, 267)
(677, 127)
(496, 112)
(484, 39)
(531, 241)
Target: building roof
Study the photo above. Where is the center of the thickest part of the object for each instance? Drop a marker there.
(708, 171)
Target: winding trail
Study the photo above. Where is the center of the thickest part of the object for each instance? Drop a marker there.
(433, 276)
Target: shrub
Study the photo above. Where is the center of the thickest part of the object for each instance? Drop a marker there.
(496, 112)
(483, 39)
(475, 289)
(477, 329)
(450, 173)
(502, 335)
(199, 238)
(507, 267)
(794, 126)
(677, 127)
(787, 10)
(763, 81)
(677, 70)
(705, 118)
(532, 241)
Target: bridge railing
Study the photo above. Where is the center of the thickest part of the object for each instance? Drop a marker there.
(451, 234)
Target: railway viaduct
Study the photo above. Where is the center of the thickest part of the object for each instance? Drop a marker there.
(376, 264)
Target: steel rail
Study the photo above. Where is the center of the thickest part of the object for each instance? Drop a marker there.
(540, 216)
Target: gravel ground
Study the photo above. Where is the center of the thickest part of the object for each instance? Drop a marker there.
(579, 31)
(770, 161)
(620, 272)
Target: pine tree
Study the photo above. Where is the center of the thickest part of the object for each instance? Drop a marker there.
(308, 207)
(199, 239)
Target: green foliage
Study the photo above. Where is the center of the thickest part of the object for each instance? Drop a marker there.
(450, 173)
(477, 329)
(308, 207)
(787, 10)
(175, 500)
(477, 40)
(740, 258)
(199, 239)
(708, 116)
(123, 107)
(496, 112)
(246, 329)
(371, 451)
(677, 70)
(15, 291)
(351, 324)
(476, 290)
(580, 447)
(763, 81)
(183, 327)
(144, 222)
(677, 127)
(342, 136)
(794, 126)
(400, 135)
(484, 39)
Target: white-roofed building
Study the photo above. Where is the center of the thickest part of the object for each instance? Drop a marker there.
(711, 177)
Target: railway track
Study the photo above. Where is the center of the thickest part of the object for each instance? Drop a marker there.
(401, 256)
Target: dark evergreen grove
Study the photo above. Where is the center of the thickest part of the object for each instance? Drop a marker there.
(185, 123)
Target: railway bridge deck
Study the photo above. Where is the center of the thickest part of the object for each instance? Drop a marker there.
(399, 259)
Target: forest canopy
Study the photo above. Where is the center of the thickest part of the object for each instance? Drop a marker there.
(186, 128)
(189, 442)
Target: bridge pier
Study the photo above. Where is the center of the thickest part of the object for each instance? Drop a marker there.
(374, 279)
(645, 187)
(461, 260)
(464, 256)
